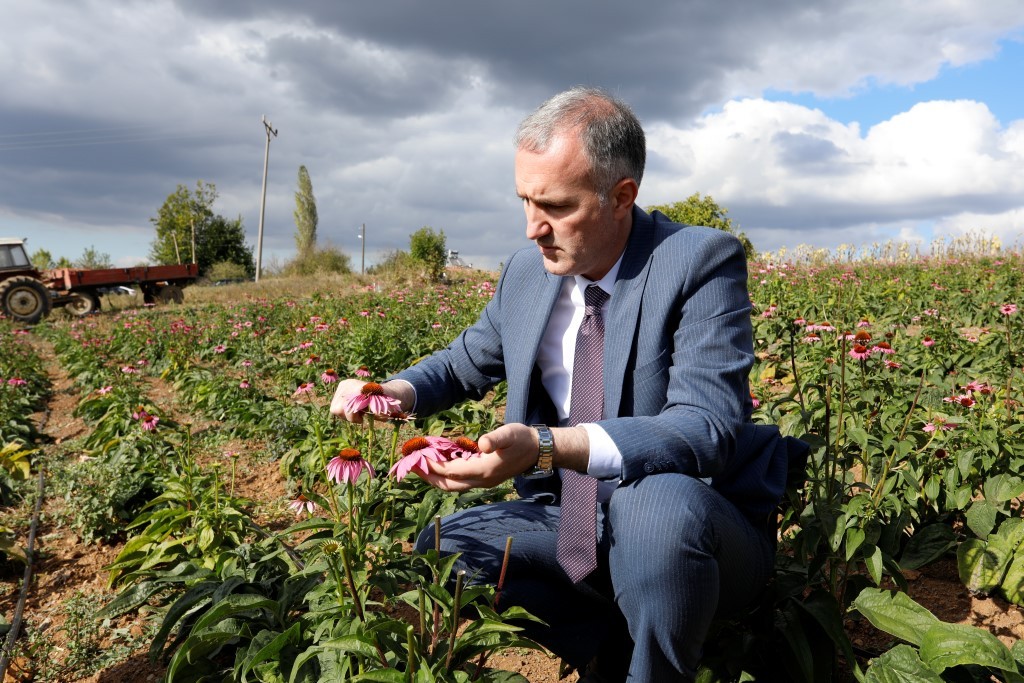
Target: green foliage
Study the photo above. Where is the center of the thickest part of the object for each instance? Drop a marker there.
(698, 210)
(226, 270)
(319, 261)
(92, 259)
(430, 249)
(305, 216)
(217, 239)
(937, 651)
(82, 645)
(42, 259)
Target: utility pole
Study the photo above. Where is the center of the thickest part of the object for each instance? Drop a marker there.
(263, 201)
(362, 238)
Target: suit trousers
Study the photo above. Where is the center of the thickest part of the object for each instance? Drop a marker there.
(672, 554)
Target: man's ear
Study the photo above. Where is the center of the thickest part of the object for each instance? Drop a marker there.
(623, 196)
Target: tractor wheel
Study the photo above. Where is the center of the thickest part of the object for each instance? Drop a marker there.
(83, 303)
(171, 294)
(25, 299)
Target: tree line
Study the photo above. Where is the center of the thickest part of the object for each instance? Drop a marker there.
(189, 230)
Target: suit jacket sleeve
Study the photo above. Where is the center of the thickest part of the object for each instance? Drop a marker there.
(468, 367)
(686, 397)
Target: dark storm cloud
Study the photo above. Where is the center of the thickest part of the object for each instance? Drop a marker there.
(669, 60)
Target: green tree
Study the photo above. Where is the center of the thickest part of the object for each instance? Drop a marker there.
(92, 259)
(697, 210)
(216, 238)
(429, 248)
(305, 215)
(42, 259)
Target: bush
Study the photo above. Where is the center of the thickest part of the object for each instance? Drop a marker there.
(324, 260)
(429, 248)
(226, 271)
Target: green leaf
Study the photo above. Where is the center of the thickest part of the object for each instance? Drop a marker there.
(354, 644)
(981, 518)
(927, 545)
(1003, 487)
(236, 603)
(982, 565)
(1013, 581)
(292, 636)
(873, 562)
(900, 665)
(947, 645)
(854, 538)
(895, 613)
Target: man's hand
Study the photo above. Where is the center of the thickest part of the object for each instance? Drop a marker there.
(348, 388)
(507, 451)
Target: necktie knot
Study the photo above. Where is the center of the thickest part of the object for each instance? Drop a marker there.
(594, 298)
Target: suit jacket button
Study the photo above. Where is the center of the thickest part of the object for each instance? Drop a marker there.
(649, 468)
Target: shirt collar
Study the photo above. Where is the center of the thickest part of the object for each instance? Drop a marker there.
(607, 283)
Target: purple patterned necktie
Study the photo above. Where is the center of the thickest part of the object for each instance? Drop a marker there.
(577, 532)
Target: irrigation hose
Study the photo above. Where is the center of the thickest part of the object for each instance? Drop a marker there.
(12, 636)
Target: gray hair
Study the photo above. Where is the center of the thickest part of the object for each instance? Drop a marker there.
(613, 139)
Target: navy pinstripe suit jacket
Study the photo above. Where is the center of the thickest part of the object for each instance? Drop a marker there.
(678, 351)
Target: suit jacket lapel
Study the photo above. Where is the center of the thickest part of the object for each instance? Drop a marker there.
(522, 342)
(624, 308)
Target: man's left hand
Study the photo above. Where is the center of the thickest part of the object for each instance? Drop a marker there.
(507, 451)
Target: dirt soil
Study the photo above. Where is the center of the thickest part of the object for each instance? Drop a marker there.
(65, 566)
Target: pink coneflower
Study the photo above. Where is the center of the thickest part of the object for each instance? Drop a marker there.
(303, 505)
(863, 322)
(811, 338)
(893, 365)
(372, 397)
(305, 345)
(965, 400)
(220, 348)
(105, 390)
(1008, 309)
(128, 370)
(347, 465)
(467, 448)
(980, 387)
(770, 311)
(244, 384)
(859, 352)
(939, 423)
(755, 400)
(329, 376)
(416, 453)
(882, 347)
(362, 371)
(799, 322)
(141, 363)
(364, 313)
(313, 358)
(862, 336)
(148, 421)
(928, 341)
(304, 388)
(246, 363)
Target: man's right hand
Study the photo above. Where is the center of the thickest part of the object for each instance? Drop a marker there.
(348, 388)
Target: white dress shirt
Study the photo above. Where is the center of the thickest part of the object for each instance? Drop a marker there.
(555, 358)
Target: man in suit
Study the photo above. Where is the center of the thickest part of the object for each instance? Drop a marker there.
(686, 486)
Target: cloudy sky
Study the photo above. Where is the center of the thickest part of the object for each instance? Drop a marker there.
(818, 123)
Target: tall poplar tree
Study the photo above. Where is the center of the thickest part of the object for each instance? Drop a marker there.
(305, 215)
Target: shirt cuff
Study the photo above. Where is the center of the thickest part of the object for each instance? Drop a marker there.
(605, 457)
(412, 408)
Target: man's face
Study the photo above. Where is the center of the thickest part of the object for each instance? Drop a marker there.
(576, 235)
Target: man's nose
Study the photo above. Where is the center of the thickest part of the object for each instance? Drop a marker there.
(537, 224)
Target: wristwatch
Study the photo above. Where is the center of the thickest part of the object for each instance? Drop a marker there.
(545, 454)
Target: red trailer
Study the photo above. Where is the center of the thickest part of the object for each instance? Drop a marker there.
(28, 295)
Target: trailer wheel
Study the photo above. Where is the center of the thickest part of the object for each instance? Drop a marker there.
(171, 293)
(25, 299)
(83, 303)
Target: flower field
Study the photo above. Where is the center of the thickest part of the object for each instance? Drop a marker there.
(904, 375)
